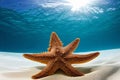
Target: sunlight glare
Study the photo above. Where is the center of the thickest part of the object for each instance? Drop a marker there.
(78, 4)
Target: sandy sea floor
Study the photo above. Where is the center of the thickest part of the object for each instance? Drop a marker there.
(105, 67)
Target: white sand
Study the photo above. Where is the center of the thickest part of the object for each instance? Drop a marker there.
(105, 67)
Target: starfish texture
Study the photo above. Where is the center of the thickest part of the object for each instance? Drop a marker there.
(59, 57)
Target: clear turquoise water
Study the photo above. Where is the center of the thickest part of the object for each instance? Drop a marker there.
(29, 30)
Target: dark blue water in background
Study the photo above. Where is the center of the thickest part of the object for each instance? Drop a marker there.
(25, 27)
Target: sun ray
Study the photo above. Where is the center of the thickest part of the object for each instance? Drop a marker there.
(80, 4)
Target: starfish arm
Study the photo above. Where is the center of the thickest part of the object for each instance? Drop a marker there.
(69, 70)
(76, 59)
(71, 47)
(48, 70)
(54, 41)
(42, 57)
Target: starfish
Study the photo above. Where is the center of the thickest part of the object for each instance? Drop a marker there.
(59, 57)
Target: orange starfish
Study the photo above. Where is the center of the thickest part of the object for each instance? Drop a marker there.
(59, 57)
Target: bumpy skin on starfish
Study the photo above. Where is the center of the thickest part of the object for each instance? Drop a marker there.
(59, 57)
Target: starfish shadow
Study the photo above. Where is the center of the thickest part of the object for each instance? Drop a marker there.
(85, 70)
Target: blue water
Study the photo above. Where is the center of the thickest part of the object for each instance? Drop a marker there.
(27, 29)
